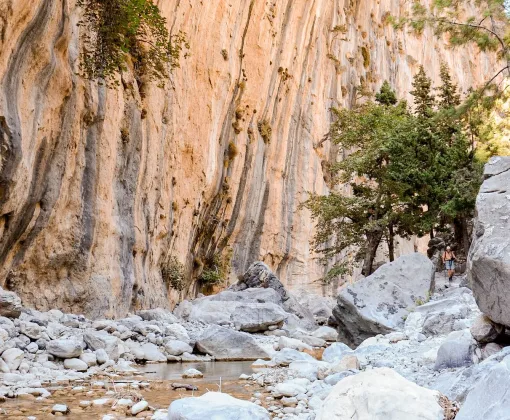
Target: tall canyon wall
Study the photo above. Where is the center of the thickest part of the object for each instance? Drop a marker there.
(99, 187)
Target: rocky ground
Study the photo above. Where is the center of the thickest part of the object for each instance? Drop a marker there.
(56, 364)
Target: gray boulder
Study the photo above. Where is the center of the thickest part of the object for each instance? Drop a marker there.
(457, 351)
(259, 275)
(13, 358)
(10, 304)
(489, 399)
(176, 347)
(379, 303)
(215, 405)
(484, 330)
(489, 259)
(65, 348)
(96, 340)
(226, 344)
(157, 314)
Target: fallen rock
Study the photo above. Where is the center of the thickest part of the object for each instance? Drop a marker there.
(456, 351)
(176, 347)
(13, 358)
(292, 343)
(227, 344)
(378, 304)
(64, 348)
(286, 356)
(76, 364)
(10, 304)
(489, 261)
(336, 352)
(380, 394)
(60, 408)
(259, 275)
(157, 314)
(89, 358)
(192, 373)
(96, 340)
(215, 405)
(152, 353)
(326, 333)
(484, 330)
(139, 407)
(489, 399)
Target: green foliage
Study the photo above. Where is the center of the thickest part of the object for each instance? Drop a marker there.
(172, 272)
(117, 32)
(386, 96)
(408, 172)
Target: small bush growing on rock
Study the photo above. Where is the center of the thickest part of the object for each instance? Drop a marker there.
(224, 53)
(172, 272)
(232, 151)
(265, 130)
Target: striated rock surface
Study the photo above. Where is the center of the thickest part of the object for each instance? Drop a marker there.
(101, 187)
(489, 260)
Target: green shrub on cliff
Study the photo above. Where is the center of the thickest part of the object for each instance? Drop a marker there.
(115, 33)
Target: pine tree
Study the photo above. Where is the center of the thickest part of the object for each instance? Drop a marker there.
(386, 96)
(424, 100)
(448, 91)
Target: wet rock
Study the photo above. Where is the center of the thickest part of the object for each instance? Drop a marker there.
(380, 394)
(65, 348)
(227, 344)
(215, 405)
(139, 407)
(378, 304)
(192, 373)
(484, 330)
(60, 408)
(10, 304)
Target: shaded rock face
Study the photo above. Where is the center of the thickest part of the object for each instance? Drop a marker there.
(100, 186)
(378, 304)
(489, 259)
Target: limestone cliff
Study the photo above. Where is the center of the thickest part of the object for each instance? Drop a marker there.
(101, 186)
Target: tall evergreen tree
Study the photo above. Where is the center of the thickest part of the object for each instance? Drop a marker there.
(424, 100)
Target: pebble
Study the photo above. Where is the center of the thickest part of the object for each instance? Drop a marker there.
(139, 407)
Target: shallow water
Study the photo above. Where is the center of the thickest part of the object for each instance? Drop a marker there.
(212, 371)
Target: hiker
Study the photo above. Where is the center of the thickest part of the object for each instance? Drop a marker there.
(449, 262)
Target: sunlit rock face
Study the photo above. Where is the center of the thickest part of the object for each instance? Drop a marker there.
(100, 186)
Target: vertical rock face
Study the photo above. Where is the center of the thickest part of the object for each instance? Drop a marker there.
(100, 187)
(489, 258)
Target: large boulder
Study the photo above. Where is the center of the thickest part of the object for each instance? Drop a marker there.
(96, 340)
(380, 394)
(226, 344)
(259, 275)
(484, 330)
(457, 351)
(489, 399)
(250, 316)
(10, 304)
(157, 314)
(215, 405)
(489, 259)
(65, 348)
(379, 303)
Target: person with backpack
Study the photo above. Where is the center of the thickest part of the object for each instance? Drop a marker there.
(449, 262)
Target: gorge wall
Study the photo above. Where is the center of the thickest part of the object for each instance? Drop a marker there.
(99, 187)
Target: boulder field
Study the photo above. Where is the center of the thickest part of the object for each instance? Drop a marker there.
(416, 349)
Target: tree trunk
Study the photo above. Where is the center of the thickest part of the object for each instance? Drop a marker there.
(373, 241)
(466, 240)
(391, 242)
